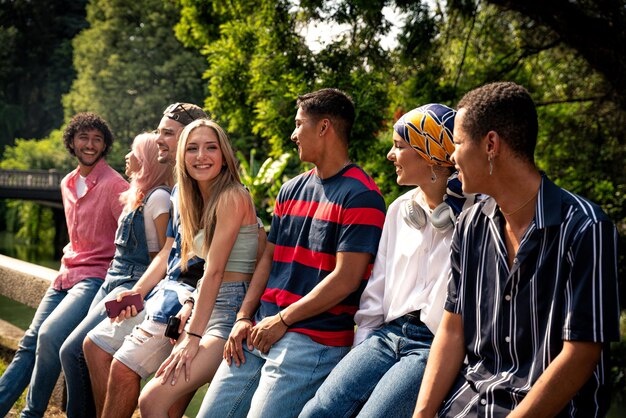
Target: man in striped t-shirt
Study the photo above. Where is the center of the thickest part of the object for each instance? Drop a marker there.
(532, 301)
(306, 288)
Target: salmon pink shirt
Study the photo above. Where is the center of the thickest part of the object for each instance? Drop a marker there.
(91, 224)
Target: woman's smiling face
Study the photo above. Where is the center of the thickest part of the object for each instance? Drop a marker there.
(411, 168)
(203, 155)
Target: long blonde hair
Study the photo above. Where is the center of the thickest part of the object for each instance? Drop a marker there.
(194, 214)
(151, 173)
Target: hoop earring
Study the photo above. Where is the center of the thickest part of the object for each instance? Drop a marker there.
(490, 165)
(433, 176)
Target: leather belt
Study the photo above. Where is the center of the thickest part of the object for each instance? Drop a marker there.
(413, 317)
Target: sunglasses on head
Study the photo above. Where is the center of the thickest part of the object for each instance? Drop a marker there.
(173, 112)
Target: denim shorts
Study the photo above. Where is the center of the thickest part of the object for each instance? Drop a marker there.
(227, 304)
(139, 342)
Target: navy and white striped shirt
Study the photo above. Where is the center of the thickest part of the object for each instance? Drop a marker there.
(562, 286)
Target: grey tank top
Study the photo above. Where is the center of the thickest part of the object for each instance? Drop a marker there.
(242, 257)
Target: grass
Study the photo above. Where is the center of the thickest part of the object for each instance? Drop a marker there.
(19, 405)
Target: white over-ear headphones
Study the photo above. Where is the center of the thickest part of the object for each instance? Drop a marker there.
(442, 218)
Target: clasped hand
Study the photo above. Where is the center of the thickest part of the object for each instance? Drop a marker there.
(267, 332)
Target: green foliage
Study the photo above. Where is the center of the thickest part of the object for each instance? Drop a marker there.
(256, 68)
(36, 69)
(130, 66)
(45, 154)
(618, 365)
(34, 223)
(263, 181)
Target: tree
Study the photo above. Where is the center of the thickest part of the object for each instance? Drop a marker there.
(130, 66)
(258, 64)
(596, 29)
(36, 54)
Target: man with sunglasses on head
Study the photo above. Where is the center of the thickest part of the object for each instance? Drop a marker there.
(80, 402)
(175, 117)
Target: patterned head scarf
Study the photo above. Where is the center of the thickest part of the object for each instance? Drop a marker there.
(428, 129)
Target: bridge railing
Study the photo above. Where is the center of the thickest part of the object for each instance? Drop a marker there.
(39, 179)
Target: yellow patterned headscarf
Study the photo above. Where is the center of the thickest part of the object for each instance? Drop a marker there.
(428, 129)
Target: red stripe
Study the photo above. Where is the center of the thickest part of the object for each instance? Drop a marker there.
(359, 175)
(306, 257)
(284, 298)
(330, 212)
(368, 272)
(343, 309)
(364, 216)
(296, 207)
(331, 338)
(280, 297)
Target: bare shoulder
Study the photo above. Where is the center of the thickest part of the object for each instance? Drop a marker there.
(234, 200)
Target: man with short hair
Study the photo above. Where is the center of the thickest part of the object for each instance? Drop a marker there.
(92, 207)
(532, 301)
(80, 398)
(105, 338)
(175, 117)
(306, 288)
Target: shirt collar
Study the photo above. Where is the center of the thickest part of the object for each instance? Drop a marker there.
(98, 171)
(547, 207)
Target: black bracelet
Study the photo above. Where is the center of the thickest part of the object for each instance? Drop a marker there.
(244, 318)
(193, 334)
(190, 299)
(280, 315)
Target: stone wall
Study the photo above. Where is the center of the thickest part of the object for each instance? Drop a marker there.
(26, 283)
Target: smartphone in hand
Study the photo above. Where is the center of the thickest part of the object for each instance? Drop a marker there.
(171, 330)
(114, 307)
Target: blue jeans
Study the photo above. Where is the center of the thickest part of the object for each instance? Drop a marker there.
(37, 358)
(273, 385)
(79, 396)
(129, 263)
(380, 377)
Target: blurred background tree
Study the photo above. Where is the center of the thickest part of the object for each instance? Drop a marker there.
(130, 66)
(36, 70)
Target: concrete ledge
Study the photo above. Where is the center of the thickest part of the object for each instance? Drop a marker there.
(24, 282)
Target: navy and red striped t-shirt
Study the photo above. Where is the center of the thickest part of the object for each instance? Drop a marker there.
(313, 220)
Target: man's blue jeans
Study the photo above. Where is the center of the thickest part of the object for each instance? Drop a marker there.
(380, 377)
(37, 358)
(272, 385)
(79, 397)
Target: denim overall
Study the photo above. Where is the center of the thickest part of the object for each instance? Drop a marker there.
(131, 257)
(129, 263)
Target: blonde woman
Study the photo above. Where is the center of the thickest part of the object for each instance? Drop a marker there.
(140, 235)
(218, 224)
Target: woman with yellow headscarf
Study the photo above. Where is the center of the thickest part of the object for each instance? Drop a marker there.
(402, 304)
